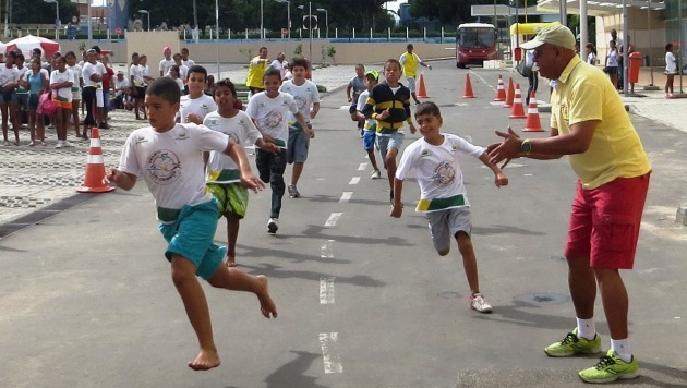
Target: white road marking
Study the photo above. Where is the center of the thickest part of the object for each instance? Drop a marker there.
(483, 81)
(330, 353)
(327, 294)
(331, 221)
(363, 166)
(496, 103)
(344, 107)
(345, 196)
(327, 249)
(354, 181)
(461, 104)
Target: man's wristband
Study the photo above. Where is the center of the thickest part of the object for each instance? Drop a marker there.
(526, 146)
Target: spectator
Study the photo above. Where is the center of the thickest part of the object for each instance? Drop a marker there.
(122, 92)
(36, 82)
(8, 82)
(671, 70)
(591, 54)
(166, 62)
(611, 65)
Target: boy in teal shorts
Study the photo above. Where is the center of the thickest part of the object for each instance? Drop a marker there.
(223, 175)
(169, 158)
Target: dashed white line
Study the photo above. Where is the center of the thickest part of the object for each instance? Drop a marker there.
(327, 249)
(363, 166)
(331, 221)
(345, 196)
(327, 295)
(354, 181)
(330, 353)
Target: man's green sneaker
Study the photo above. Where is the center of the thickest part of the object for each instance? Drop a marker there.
(610, 368)
(572, 344)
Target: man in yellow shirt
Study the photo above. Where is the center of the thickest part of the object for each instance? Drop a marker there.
(589, 123)
(256, 71)
(411, 65)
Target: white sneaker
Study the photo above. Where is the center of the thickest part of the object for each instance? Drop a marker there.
(67, 144)
(480, 305)
(272, 225)
(59, 144)
(376, 175)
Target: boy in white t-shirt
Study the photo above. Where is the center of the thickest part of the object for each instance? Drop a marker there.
(269, 110)
(196, 104)
(166, 62)
(222, 172)
(308, 100)
(434, 160)
(169, 158)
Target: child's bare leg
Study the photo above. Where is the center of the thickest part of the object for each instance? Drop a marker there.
(193, 297)
(296, 172)
(391, 166)
(40, 127)
(75, 117)
(5, 118)
(373, 160)
(232, 237)
(469, 261)
(235, 280)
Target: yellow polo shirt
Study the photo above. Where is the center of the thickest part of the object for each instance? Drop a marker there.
(584, 93)
(256, 71)
(410, 63)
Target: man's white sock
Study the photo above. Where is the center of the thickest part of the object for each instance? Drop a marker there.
(622, 349)
(586, 328)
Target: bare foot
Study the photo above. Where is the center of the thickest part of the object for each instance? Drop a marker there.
(205, 360)
(267, 306)
(231, 261)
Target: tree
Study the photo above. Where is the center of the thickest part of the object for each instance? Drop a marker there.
(446, 11)
(40, 12)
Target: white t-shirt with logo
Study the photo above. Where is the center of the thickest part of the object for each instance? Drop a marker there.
(165, 65)
(138, 73)
(305, 95)
(200, 106)
(56, 77)
(271, 115)
(437, 168)
(240, 130)
(171, 163)
(188, 63)
(7, 75)
(87, 70)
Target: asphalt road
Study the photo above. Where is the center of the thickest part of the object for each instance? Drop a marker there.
(86, 299)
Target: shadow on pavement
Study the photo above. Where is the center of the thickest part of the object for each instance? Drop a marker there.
(251, 251)
(274, 271)
(291, 374)
(315, 232)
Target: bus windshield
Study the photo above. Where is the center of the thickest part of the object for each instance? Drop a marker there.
(477, 37)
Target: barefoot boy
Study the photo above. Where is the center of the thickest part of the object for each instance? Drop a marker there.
(434, 161)
(389, 104)
(269, 110)
(222, 171)
(169, 158)
(370, 125)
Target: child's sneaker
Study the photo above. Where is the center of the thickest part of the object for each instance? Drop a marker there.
(610, 368)
(272, 225)
(572, 344)
(376, 175)
(293, 191)
(480, 305)
(59, 144)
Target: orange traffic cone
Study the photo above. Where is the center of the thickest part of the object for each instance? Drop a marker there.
(500, 90)
(518, 112)
(533, 122)
(94, 181)
(421, 92)
(468, 87)
(510, 95)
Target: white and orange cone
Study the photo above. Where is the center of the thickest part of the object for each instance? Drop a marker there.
(533, 120)
(94, 180)
(500, 90)
(518, 112)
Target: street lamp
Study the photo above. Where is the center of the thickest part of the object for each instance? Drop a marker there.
(288, 15)
(326, 20)
(57, 22)
(148, 16)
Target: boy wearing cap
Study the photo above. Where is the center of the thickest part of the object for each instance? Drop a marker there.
(590, 125)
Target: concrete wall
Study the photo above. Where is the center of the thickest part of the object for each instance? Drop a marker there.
(151, 44)
(638, 32)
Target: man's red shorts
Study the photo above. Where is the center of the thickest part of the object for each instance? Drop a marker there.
(604, 222)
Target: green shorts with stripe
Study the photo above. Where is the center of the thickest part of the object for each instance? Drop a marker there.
(231, 198)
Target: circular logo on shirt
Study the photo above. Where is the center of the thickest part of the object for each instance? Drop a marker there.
(164, 167)
(300, 101)
(271, 120)
(444, 174)
(233, 138)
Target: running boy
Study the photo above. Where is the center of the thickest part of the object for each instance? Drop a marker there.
(357, 86)
(268, 110)
(370, 126)
(196, 104)
(222, 172)
(169, 158)
(308, 100)
(389, 104)
(434, 160)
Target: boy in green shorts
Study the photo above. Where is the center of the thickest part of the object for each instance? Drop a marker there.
(169, 158)
(223, 175)
(434, 160)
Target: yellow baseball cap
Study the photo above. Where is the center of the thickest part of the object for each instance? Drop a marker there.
(556, 35)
